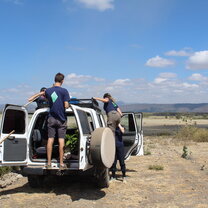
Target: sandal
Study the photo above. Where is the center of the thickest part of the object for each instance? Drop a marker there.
(48, 166)
(62, 166)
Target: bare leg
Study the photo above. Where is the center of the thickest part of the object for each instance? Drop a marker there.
(49, 149)
(61, 150)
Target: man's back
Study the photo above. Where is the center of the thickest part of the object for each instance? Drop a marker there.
(57, 96)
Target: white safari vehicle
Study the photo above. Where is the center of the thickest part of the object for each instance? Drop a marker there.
(92, 144)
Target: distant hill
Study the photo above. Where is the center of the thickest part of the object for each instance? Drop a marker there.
(178, 108)
(152, 108)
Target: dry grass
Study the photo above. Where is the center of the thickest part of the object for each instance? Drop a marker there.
(162, 121)
(156, 167)
(192, 133)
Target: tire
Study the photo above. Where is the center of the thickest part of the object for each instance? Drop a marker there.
(35, 181)
(102, 148)
(102, 177)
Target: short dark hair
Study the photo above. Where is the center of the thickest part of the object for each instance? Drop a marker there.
(59, 77)
(106, 95)
(42, 89)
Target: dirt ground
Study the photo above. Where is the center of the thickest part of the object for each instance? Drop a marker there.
(182, 183)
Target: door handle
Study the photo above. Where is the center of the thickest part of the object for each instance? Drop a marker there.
(13, 139)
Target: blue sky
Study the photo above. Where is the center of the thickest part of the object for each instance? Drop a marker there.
(141, 51)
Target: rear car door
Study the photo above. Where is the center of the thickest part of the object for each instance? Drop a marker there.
(13, 139)
(85, 130)
(132, 138)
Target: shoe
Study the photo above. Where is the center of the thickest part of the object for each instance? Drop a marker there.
(62, 166)
(112, 179)
(124, 180)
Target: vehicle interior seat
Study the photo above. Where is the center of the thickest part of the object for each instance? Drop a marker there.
(39, 144)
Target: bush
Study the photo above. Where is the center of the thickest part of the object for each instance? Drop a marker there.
(193, 133)
(185, 152)
(147, 152)
(156, 167)
(4, 170)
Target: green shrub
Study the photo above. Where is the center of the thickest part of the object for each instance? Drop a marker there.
(163, 133)
(156, 167)
(185, 152)
(147, 152)
(4, 170)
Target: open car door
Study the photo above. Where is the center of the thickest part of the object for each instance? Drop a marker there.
(13, 139)
(84, 131)
(132, 137)
(139, 150)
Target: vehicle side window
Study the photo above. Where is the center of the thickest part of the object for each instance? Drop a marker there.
(14, 120)
(90, 120)
(128, 123)
(99, 120)
(71, 121)
(84, 122)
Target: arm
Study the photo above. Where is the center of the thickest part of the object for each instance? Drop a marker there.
(32, 98)
(104, 100)
(121, 128)
(66, 99)
(66, 104)
(119, 110)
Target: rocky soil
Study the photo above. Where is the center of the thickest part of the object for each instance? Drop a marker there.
(9, 179)
(182, 183)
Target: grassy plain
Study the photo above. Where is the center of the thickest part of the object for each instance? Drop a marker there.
(170, 125)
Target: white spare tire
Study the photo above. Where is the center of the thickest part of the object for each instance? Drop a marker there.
(102, 147)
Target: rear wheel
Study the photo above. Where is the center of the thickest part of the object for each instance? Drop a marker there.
(102, 177)
(35, 181)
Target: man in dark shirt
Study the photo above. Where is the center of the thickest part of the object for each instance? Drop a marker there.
(58, 98)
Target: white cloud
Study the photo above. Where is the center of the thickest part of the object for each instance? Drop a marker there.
(187, 85)
(183, 52)
(80, 81)
(158, 61)
(17, 95)
(168, 75)
(159, 80)
(198, 77)
(165, 88)
(100, 5)
(121, 82)
(163, 77)
(199, 60)
(178, 91)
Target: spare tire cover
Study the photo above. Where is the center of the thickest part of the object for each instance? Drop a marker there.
(102, 147)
